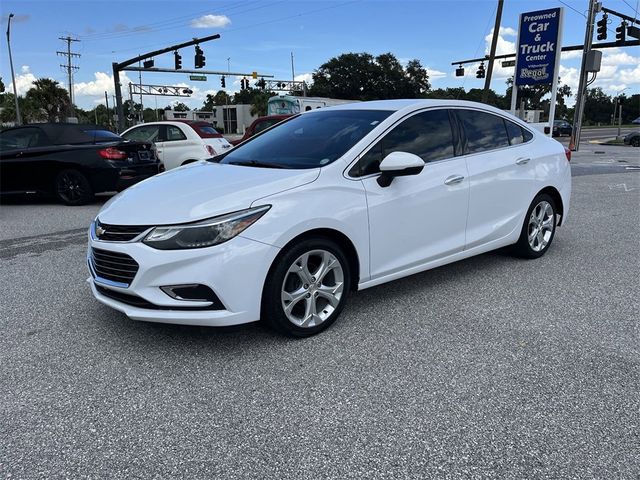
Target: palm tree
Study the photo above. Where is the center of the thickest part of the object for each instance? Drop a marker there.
(49, 97)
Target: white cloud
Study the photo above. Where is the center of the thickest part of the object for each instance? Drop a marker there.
(304, 77)
(23, 82)
(103, 82)
(503, 46)
(434, 74)
(210, 21)
(571, 55)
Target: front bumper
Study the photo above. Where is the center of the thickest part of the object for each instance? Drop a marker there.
(234, 270)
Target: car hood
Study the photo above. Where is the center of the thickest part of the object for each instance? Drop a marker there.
(198, 191)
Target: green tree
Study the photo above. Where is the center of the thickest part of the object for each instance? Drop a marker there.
(180, 107)
(48, 96)
(361, 76)
(630, 108)
(598, 107)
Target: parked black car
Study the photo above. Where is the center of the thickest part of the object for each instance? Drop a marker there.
(633, 139)
(562, 127)
(71, 161)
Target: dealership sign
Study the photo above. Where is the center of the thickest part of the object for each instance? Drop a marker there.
(538, 54)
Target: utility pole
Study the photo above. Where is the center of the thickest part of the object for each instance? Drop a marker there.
(492, 53)
(69, 66)
(106, 102)
(13, 76)
(141, 115)
(293, 72)
(619, 116)
(594, 7)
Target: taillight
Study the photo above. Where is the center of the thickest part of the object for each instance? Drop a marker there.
(211, 151)
(567, 153)
(111, 153)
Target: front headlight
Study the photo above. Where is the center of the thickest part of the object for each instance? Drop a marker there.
(205, 233)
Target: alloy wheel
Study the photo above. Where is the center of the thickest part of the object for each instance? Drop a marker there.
(70, 187)
(541, 225)
(312, 288)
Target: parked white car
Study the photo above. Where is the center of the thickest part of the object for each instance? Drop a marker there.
(179, 143)
(286, 224)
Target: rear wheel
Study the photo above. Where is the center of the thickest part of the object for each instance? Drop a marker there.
(538, 229)
(73, 188)
(306, 288)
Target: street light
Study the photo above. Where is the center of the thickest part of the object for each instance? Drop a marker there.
(13, 76)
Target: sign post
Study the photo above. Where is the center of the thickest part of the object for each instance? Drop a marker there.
(538, 55)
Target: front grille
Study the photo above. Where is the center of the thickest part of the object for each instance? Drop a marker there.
(118, 233)
(114, 266)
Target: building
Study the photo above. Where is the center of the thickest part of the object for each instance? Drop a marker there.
(233, 119)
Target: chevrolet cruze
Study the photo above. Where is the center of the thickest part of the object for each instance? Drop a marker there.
(285, 226)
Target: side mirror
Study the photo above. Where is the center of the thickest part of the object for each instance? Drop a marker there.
(399, 164)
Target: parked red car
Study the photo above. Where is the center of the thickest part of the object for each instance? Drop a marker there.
(258, 125)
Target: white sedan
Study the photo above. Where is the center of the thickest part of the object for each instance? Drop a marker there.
(180, 143)
(283, 227)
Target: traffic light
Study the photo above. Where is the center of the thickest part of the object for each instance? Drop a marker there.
(177, 60)
(480, 71)
(244, 83)
(261, 83)
(460, 71)
(621, 32)
(602, 27)
(222, 82)
(199, 59)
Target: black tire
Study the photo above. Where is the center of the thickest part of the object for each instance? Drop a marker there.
(635, 141)
(73, 188)
(524, 248)
(273, 303)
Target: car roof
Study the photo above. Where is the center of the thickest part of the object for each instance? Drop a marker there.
(65, 133)
(408, 104)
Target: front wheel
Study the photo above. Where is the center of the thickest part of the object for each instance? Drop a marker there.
(306, 288)
(635, 141)
(538, 229)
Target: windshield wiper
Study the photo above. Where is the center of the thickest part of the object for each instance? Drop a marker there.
(256, 163)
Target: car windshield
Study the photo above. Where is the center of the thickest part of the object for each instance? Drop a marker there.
(307, 141)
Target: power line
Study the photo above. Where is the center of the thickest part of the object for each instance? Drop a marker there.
(91, 36)
(175, 24)
(484, 34)
(280, 19)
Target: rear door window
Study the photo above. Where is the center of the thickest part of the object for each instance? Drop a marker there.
(174, 134)
(427, 135)
(484, 131)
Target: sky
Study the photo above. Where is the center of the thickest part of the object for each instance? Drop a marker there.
(261, 35)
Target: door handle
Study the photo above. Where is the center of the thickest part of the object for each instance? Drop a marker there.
(454, 180)
(522, 161)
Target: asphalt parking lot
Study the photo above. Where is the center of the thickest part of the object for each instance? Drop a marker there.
(487, 368)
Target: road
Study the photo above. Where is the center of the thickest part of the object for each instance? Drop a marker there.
(488, 368)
